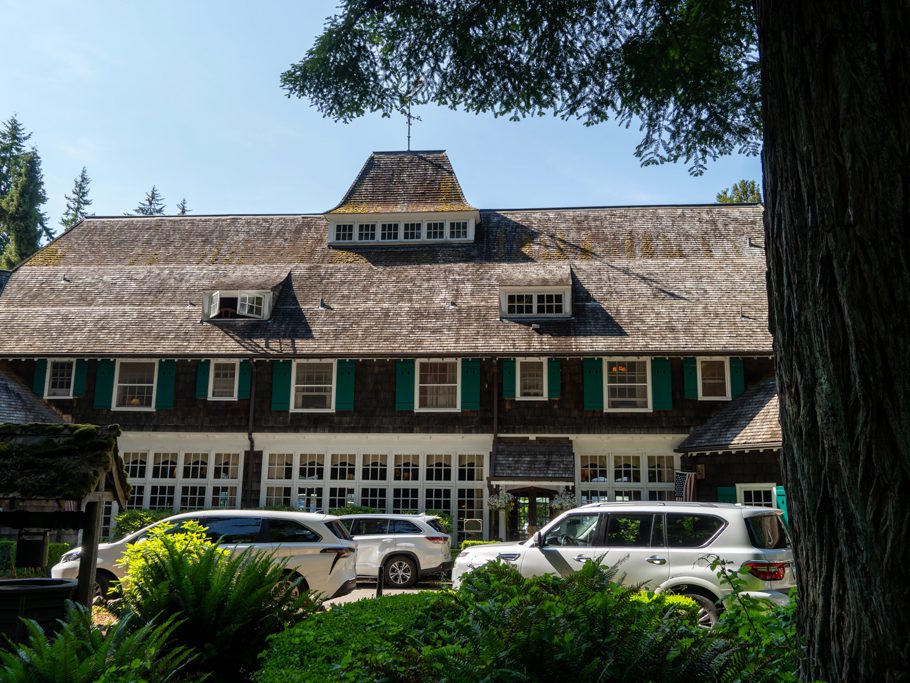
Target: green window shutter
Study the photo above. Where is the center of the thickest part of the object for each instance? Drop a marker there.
(726, 494)
(164, 392)
(661, 384)
(344, 385)
(281, 385)
(508, 378)
(594, 383)
(104, 383)
(737, 377)
(202, 378)
(243, 381)
(470, 384)
(780, 497)
(40, 376)
(690, 378)
(79, 376)
(404, 384)
(554, 378)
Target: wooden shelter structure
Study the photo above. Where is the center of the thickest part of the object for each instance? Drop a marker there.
(58, 476)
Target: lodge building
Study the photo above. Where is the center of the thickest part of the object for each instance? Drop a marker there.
(407, 351)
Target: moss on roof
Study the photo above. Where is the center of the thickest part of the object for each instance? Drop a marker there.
(56, 461)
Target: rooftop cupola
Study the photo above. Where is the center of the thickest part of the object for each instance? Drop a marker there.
(403, 198)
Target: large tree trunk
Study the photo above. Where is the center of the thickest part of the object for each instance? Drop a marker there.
(836, 98)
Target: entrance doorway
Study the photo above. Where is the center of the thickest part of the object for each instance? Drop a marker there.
(530, 512)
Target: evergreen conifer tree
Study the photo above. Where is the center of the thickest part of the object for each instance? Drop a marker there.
(182, 209)
(20, 213)
(78, 202)
(12, 146)
(153, 204)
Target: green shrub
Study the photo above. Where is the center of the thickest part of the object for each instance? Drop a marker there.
(8, 559)
(228, 606)
(467, 543)
(7, 556)
(129, 521)
(83, 653)
(353, 510)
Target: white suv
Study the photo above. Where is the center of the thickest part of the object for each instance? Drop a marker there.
(659, 546)
(402, 547)
(317, 547)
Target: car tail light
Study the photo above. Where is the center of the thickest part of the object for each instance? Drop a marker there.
(767, 571)
(438, 539)
(340, 552)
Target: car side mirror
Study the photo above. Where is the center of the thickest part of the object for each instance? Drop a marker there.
(538, 540)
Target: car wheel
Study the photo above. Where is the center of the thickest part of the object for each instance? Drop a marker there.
(103, 584)
(300, 588)
(708, 611)
(400, 572)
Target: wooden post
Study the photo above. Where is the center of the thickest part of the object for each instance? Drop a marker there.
(91, 532)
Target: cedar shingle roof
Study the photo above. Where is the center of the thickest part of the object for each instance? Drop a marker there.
(751, 422)
(645, 280)
(404, 182)
(18, 405)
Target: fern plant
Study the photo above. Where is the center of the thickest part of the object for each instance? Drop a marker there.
(83, 653)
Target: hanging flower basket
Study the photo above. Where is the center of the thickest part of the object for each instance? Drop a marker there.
(500, 501)
(564, 501)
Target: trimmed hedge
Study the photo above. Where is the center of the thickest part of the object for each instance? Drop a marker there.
(8, 559)
(467, 543)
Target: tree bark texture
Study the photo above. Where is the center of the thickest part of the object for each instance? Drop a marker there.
(836, 110)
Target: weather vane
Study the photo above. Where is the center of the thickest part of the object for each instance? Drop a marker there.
(415, 88)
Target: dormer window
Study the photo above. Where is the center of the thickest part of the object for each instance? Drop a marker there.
(436, 230)
(403, 228)
(413, 231)
(531, 304)
(366, 232)
(536, 291)
(389, 232)
(344, 232)
(237, 305)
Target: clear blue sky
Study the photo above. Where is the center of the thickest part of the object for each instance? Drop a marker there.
(186, 96)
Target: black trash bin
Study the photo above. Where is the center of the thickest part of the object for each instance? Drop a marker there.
(40, 599)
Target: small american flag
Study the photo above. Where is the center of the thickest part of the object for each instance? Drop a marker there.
(684, 485)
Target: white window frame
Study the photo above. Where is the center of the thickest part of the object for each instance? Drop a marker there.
(236, 364)
(606, 372)
(248, 300)
(47, 378)
(457, 408)
(535, 292)
(471, 218)
(212, 303)
(518, 396)
(151, 408)
(331, 408)
(758, 486)
(726, 360)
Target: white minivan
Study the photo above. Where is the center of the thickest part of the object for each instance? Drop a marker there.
(659, 546)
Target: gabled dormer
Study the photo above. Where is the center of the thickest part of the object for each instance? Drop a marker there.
(536, 291)
(239, 300)
(403, 198)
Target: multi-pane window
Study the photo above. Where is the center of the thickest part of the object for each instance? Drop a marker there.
(660, 469)
(161, 497)
(344, 232)
(309, 498)
(374, 466)
(439, 467)
(713, 379)
(135, 387)
(520, 304)
(313, 385)
(277, 496)
(412, 231)
(192, 497)
(224, 496)
(594, 469)
(458, 230)
(339, 497)
(594, 496)
(60, 378)
(405, 500)
(164, 466)
(407, 467)
(281, 466)
(437, 385)
(137, 498)
(470, 513)
(627, 468)
(438, 500)
(343, 466)
(312, 466)
(366, 232)
(436, 230)
(227, 465)
(107, 514)
(389, 231)
(470, 467)
(549, 304)
(624, 496)
(135, 464)
(223, 380)
(531, 378)
(627, 384)
(661, 494)
(756, 494)
(195, 465)
(374, 497)
(250, 305)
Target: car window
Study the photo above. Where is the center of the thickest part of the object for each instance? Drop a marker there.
(767, 531)
(657, 532)
(573, 531)
(629, 530)
(435, 525)
(234, 529)
(370, 527)
(691, 531)
(403, 526)
(287, 530)
(339, 529)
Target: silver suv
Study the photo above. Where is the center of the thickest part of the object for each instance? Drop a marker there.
(660, 546)
(402, 547)
(317, 547)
